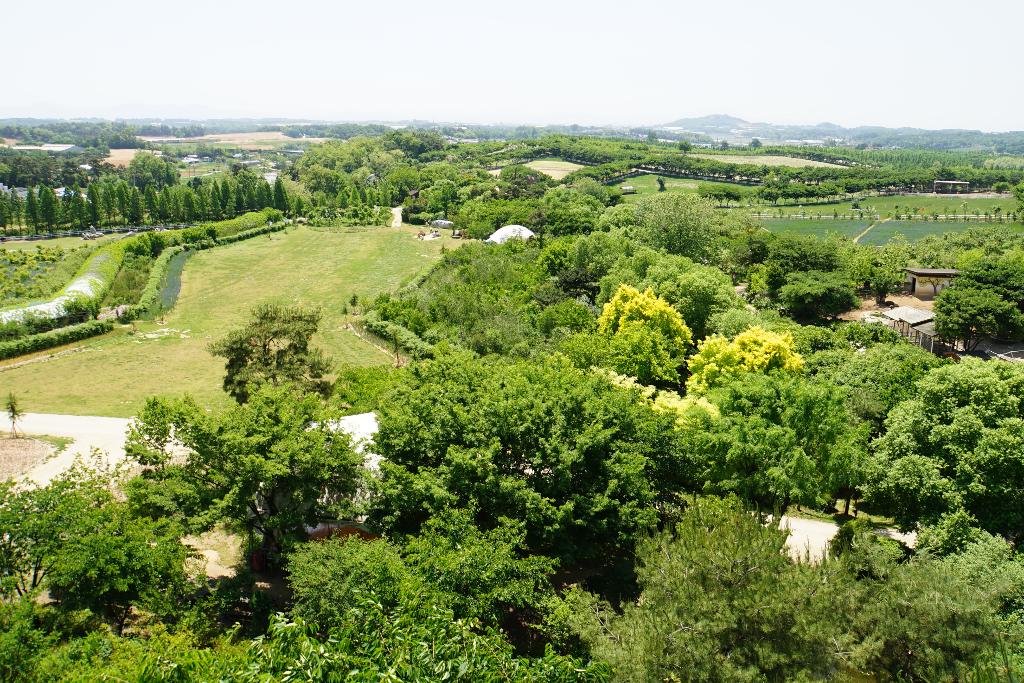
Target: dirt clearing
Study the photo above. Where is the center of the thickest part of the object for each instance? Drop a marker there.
(121, 157)
(556, 168)
(18, 456)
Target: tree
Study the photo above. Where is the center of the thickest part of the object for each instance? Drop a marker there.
(720, 601)
(565, 451)
(273, 465)
(968, 315)
(680, 223)
(649, 337)
(887, 272)
(954, 445)
(49, 208)
(32, 209)
(280, 196)
(776, 441)
(14, 412)
(661, 184)
(814, 294)
(755, 144)
(756, 349)
(274, 347)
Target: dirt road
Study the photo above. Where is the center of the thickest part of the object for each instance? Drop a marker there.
(89, 433)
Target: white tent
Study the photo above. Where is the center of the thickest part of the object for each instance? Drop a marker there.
(502, 235)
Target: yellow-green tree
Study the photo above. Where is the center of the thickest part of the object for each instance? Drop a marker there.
(755, 350)
(648, 338)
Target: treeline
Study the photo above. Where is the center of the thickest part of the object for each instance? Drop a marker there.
(99, 135)
(119, 203)
(19, 168)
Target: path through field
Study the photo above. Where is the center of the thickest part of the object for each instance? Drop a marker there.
(868, 229)
(810, 537)
(89, 433)
(396, 217)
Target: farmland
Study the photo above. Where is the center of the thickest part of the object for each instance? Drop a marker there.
(112, 375)
(846, 228)
(648, 184)
(883, 231)
(257, 140)
(919, 204)
(121, 157)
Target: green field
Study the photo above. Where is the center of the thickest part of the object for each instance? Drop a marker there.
(62, 242)
(113, 374)
(648, 184)
(920, 204)
(803, 227)
(915, 230)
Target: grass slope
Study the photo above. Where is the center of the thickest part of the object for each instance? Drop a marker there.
(113, 375)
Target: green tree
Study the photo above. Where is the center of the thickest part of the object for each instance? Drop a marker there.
(814, 294)
(563, 450)
(280, 196)
(274, 465)
(968, 315)
(720, 601)
(49, 208)
(14, 412)
(719, 360)
(274, 347)
(649, 337)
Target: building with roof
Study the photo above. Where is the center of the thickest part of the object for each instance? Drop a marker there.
(926, 283)
(916, 324)
(951, 186)
(48, 147)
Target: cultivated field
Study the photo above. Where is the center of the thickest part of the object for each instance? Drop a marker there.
(556, 168)
(921, 204)
(121, 157)
(764, 160)
(252, 140)
(62, 242)
(884, 231)
(847, 229)
(112, 375)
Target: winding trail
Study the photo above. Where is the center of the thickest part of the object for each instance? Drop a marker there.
(396, 217)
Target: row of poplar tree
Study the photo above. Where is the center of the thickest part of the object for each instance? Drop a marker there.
(118, 203)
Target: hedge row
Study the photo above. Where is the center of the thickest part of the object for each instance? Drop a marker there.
(58, 337)
(393, 332)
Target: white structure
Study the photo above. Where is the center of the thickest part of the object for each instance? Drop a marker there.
(502, 235)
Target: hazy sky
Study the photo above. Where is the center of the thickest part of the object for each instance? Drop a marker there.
(933, 64)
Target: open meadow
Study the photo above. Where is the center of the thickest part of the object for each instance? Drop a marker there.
(556, 168)
(648, 184)
(113, 374)
(919, 204)
(253, 140)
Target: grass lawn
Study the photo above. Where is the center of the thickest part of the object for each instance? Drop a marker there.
(803, 227)
(915, 230)
(556, 168)
(648, 184)
(113, 374)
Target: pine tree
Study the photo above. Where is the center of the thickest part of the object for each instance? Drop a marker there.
(280, 195)
(95, 205)
(32, 209)
(215, 203)
(79, 211)
(136, 210)
(227, 199)
(49, 209)
(152, 207)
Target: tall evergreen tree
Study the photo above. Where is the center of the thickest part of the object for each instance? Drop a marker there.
(95, 204)
(152, 202)
(49, 208)
(136, 210)
(32, 209)
(227, 199)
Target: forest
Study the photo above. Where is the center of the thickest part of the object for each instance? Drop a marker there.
(586, 442)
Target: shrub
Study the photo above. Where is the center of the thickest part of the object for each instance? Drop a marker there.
(58, 337)
(394, 332)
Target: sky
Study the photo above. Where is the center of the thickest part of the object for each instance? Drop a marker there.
(928, 64)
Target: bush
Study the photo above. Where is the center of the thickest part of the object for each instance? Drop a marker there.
(394, 332)
(58, 337)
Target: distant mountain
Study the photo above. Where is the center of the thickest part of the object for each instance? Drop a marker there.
(733, 129)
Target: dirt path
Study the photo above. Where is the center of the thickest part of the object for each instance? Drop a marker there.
(868, 229)
(89, 433)
(810, 537)
(396, 217)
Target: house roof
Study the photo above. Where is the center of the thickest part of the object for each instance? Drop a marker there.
(933, 272)
(909, 314)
